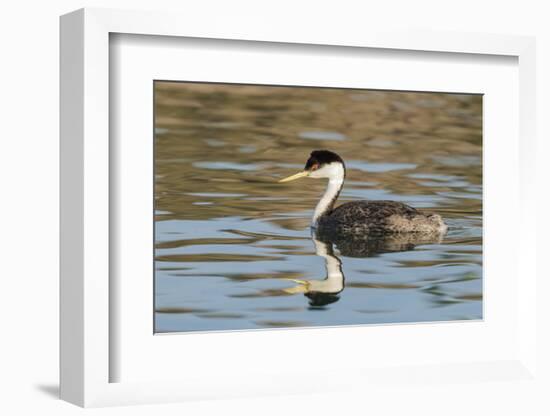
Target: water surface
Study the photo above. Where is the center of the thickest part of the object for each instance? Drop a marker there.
(234, 248)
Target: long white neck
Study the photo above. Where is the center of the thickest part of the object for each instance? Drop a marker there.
(334, 186)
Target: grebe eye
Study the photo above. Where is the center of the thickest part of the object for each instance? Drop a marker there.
(315, 166)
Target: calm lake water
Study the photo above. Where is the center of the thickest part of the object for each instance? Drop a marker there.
(234, 248)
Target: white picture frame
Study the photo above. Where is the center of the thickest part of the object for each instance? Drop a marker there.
(87, 302)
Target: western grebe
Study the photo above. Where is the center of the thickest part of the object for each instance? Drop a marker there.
(360, 217)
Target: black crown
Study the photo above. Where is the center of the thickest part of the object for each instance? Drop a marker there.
(322, 157)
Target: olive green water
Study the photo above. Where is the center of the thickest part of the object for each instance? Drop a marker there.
(234, 248)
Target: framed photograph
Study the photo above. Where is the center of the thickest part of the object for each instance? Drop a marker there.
(271, 212)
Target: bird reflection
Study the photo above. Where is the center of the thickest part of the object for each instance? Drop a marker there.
(324, 292)
(373, 245)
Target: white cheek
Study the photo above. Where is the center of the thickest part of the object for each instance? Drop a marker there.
(316, 174)
(327, 171)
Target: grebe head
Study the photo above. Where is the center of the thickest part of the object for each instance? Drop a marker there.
(321, 164)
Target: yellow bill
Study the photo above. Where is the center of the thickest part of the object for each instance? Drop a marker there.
(295, 176)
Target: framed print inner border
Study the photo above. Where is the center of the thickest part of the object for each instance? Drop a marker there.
(86, 218)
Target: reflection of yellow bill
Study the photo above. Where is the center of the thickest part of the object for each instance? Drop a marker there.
(303, 286)
(295, 176)
(300, 282)
(295, 290)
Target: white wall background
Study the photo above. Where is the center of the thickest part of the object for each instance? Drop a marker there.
(29, 56)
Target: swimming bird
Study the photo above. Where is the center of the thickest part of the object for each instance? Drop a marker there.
(359, 217)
